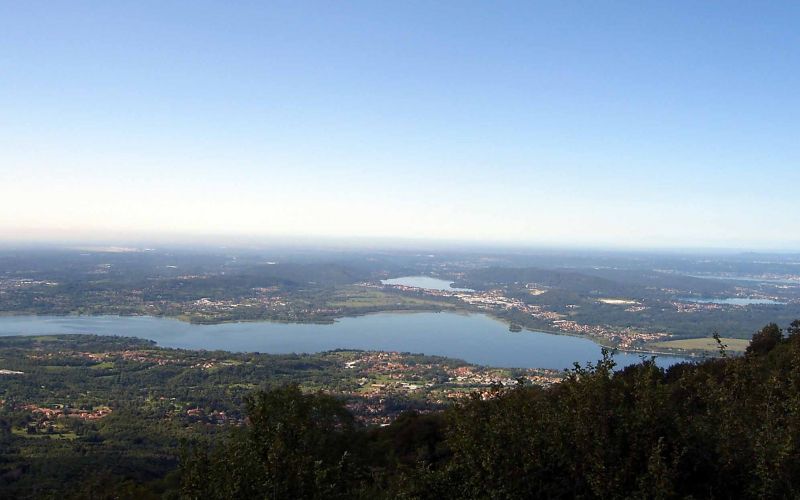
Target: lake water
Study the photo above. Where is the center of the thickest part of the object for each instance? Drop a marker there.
(425, 282)
(475, 338)
(735, 301)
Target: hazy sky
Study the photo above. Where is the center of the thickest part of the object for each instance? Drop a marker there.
(607, 123)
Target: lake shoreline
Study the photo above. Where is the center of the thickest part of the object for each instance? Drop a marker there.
(454, 310)
(477, 338)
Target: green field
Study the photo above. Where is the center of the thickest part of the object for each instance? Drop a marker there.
(703, 344)
(68, 435)
(106, 365)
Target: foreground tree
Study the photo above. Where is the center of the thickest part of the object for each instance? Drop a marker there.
(295, 446)
(766, 339)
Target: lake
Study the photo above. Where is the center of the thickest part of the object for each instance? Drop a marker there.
(426, 283)
(735, 301)
(475, 338)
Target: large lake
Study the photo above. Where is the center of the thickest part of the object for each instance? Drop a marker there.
(475, 338)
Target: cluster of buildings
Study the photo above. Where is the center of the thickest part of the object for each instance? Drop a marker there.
(8, 284)
(206, 305)
(62, 411)
(139, 356)
(691, 307)
(388, 381)
(625, 338)
(261, 304)
(472, 376)
(215, 417)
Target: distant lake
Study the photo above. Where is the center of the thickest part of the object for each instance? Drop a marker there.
(735, 301)
(475, 338)
(425, 282)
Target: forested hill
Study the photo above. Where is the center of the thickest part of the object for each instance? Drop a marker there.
(726, 428)
(602, 281)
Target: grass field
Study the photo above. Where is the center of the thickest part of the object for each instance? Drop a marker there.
(105, 365)
(704, 344)
(68, 435)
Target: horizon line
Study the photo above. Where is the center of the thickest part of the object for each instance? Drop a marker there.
(142, 240)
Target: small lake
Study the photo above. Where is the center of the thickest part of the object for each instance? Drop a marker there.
(425, 282)
(475, 338)
(735, 301)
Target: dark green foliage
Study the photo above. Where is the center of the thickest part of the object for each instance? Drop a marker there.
(794, 328)
(295, 446)
(765, 340)
(725, 428)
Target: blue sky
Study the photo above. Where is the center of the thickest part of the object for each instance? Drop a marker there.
(632, 124)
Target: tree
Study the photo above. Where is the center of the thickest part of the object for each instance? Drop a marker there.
(295, 446)
(765, 340)
(794, 328)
